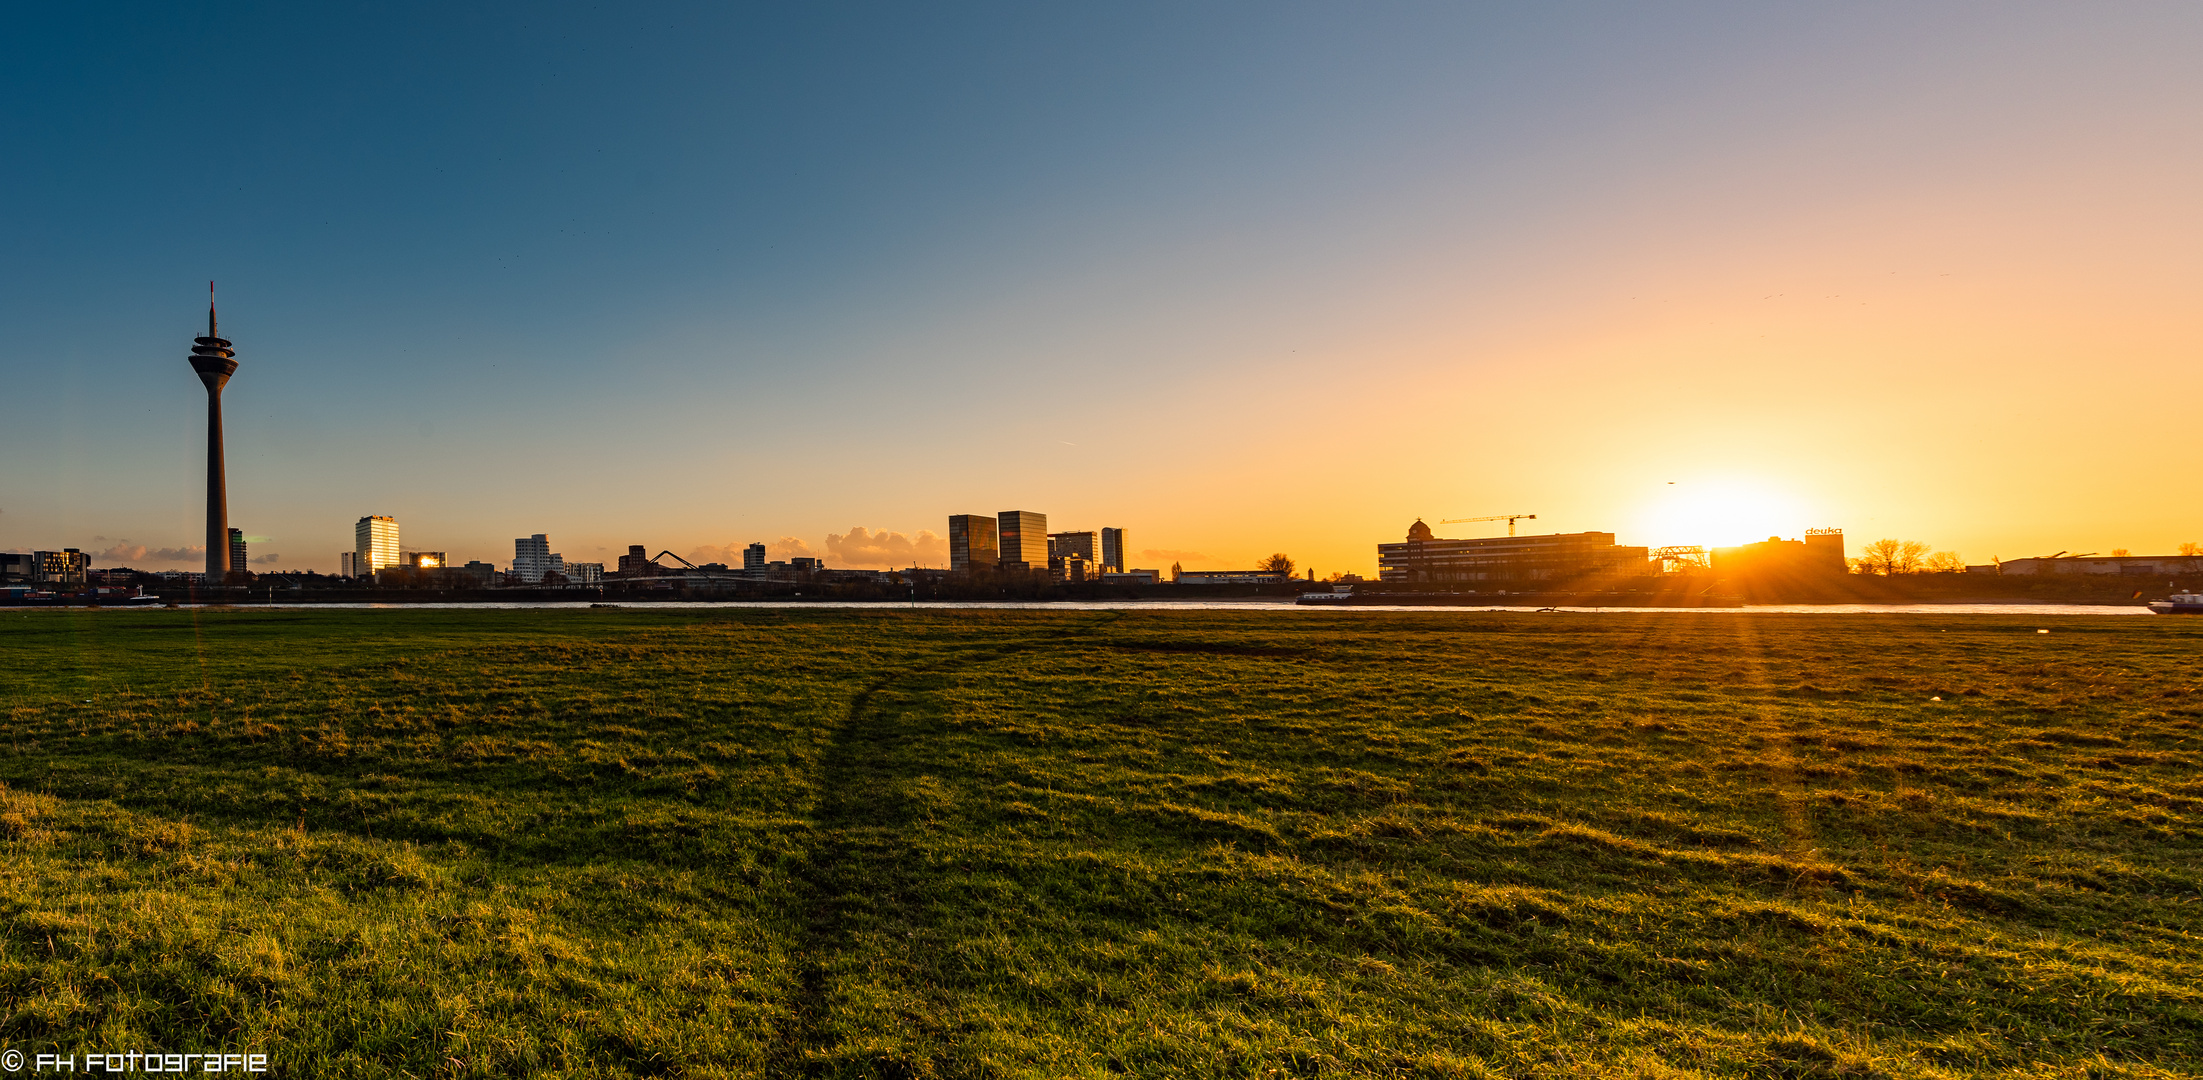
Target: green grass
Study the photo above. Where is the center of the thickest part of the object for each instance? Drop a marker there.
(985, 843)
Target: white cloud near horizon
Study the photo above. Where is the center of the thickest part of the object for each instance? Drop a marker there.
(860, 548)
(141, 557)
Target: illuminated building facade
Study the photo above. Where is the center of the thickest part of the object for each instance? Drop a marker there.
(1023, 535)
(236, 549)
(972, 544)
(375, 545)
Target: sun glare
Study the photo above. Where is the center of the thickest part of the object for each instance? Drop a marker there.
(1719, 514)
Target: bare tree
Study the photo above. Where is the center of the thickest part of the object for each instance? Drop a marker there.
(1944, 562)
(1887, 556)
(1175, 570)
(1279, 564)
(2191, 548)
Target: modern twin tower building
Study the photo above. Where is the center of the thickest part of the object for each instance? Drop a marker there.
(215, 362)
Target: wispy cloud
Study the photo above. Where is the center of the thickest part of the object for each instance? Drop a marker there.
(1172, 555)
(860, 548)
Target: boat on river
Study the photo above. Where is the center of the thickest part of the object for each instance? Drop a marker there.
(2179, 604)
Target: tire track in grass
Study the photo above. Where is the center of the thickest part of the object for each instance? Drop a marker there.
(860, 891)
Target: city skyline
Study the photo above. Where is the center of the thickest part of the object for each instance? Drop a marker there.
(1702, 275)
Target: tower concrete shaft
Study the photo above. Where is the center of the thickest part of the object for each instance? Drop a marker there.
(213, 359)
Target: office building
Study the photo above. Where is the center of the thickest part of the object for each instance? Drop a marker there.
(1081, 544)
(215, 362)
(237, 549)
(532, 558)
(346, 564)
(374, 545)
(972, 543)
(753, 559)
(637, 564)
(1504, 561)
(585, 573)
(18, 566)
(1023, 536)
(1112, 551)
(426, 560)
(65, 567)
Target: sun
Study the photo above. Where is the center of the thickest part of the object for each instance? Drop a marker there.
(1719, 513)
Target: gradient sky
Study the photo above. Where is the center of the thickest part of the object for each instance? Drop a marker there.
(1239, 279)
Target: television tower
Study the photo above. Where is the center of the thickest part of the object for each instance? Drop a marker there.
(213, 359)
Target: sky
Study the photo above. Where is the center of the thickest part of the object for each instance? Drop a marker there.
(1239, 279)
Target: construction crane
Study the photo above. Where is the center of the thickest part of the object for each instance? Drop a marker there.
(1508, 518)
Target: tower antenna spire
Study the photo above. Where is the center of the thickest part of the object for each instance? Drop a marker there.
(210, 310)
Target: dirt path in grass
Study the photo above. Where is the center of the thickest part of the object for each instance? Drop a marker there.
(867, 1002)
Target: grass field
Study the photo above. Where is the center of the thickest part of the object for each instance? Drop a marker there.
(991, 843)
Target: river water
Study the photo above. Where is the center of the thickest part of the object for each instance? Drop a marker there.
(1280, 605)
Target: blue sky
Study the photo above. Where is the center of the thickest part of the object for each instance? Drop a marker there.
(1238, 278)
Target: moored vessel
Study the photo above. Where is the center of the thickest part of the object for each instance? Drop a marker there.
(2179, 604)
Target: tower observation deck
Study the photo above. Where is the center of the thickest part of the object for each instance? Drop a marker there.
(215, 362)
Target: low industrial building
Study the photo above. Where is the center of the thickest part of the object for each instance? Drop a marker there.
(1507, 561)
(1230, 577)
(1820, 554)
(2140, 565)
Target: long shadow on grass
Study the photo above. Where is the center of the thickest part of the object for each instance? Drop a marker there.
(866, 1005)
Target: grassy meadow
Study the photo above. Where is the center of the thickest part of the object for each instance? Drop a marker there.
(785, 843)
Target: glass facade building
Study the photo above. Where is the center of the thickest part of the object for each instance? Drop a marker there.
(236, 550)
(1023, 535)
(375, 544)
(1112, 551)
(972, 543)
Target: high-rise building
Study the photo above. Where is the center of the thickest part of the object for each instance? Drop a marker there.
(237, 549)
(532, 558)
(584, 573)
(972, 543)
(374, 545)
(1112, 551)
(1023, 535)
(753, 559)
(213, 359)
(1081, 544)
(345, 563)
